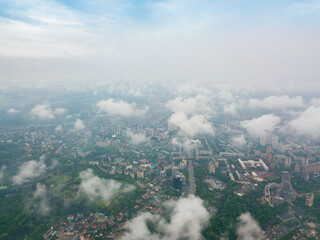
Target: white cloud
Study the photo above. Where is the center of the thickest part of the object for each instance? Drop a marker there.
(226, 96)
(198, 104)
(78, 125)
(44, 23)
(138, 228)
(315, 102)
(59, 129)
(120, 107)
(60, 111)
(187, 218)
(185, 143)
(40, 200)
(308, 122)
(277, 102)
(197, 124)
(136, 138)
(135, 92)
(260, 127)
(54, 163)
(29, 170)
(248, 228)
(189, 88)
(239, 141)
(230, 109)
(95, 187)
(12, 111)
(43, 112)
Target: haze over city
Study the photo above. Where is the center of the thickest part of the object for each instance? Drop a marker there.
(159, 119)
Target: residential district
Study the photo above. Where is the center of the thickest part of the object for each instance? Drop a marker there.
(164, 166)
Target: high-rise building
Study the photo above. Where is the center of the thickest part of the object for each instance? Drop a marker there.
(177, 183)
(163, 174)
(286, 192)
(182, 178)
(148, 132)
(274, 140)
(140, 174)
(212, 168)
(175, 172)
(288, 162)
(297, 168)
(309, 199)
(157, 172)
(269, 149)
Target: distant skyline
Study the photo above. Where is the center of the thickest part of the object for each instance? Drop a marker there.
(254, 45)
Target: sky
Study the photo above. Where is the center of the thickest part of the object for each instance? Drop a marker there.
(252, 45)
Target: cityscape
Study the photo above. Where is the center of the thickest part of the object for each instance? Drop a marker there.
(99, 171)
(159, 120)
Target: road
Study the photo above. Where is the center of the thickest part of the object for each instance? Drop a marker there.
(192, 181)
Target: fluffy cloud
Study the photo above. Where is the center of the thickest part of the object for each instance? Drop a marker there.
(230, 109)
(277, 102)
(308, 122)
(2, 169)
(315, 102)
(260, 127)
(248, 228)
(60, 111)
(45, 112)
(12, 110)
(239, 141)
(186, 143)
(226, 96)
(40, 200)
(120, 108)
(59, 129)
(29, 170)
(136, 138)
(78, 125)
(192, 126)
(95, 187)
(198, 104)
(187, 218)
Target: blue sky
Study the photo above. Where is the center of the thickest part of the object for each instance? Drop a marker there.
(173, 39)
(154, 11)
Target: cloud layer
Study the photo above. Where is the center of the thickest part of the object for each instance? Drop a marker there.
(187, 218)
(136, 138)
(29, 170)
(307, 123)
(277, 102)
(261, 126)
(12, 111)
(94, 187)
(45, 112)
(78, 125)
(191, 126)
(239, 141)
(40, 200)
(199, 104)
(121, 108)
(248, 228)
